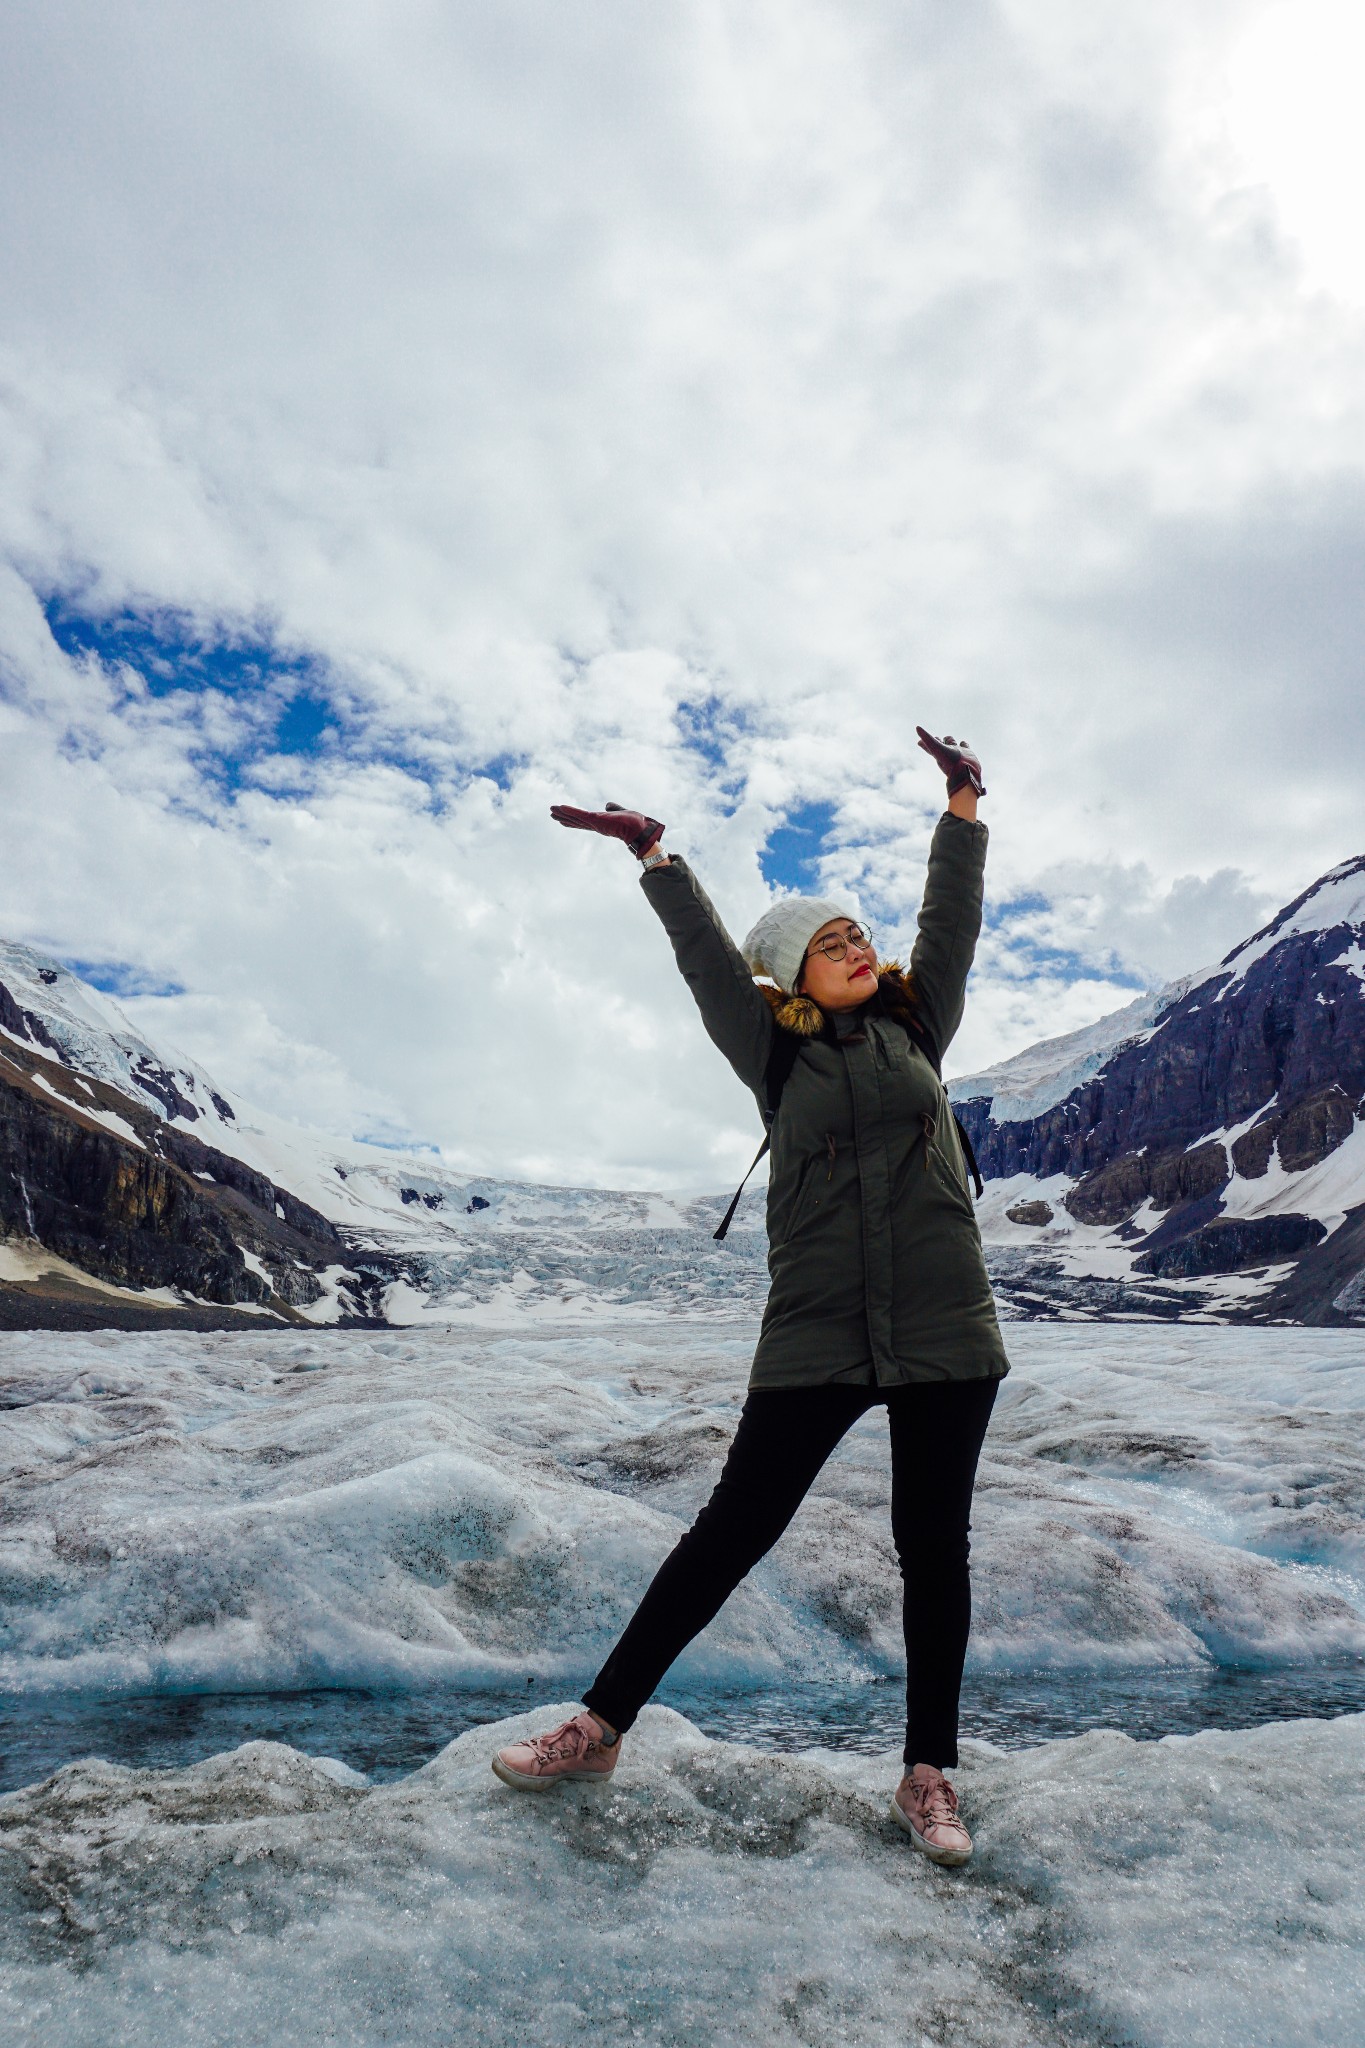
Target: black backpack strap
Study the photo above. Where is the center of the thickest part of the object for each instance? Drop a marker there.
(969, 1155)
(728, 1217)
(781, 1060)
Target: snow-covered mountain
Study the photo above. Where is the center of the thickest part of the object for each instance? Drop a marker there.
(1201, 1152)
(134, 1189)
(1212, 1132)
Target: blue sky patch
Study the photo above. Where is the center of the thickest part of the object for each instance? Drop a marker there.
(501, 769)
(1058, 962)
(172, 652)
(282, 698)
(303, 725)
(280, 705)
(709, 727)
(121, 978)
(791, 858)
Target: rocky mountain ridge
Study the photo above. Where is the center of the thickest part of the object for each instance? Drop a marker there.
(134, 1192)
(102, 1166)
(1198, 1154)
(1217, 1128)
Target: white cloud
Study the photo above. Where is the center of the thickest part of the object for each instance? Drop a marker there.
(1292, 120)
(535, 371)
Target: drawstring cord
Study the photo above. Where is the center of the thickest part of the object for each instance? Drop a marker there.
(930, 1124)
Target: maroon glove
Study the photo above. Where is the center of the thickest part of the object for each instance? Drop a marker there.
(639, 832)
(956, 759)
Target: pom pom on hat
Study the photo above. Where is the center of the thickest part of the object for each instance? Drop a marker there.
(777, 944)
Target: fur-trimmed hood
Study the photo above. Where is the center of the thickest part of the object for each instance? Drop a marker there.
(805, 1019)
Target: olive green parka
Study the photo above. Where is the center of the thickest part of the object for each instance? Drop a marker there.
(878, 1278)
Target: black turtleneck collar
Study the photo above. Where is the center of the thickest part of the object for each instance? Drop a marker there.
(849, 1023)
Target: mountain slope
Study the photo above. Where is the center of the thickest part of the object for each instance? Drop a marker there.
(1199, 1153)
(134, 1191)
(129, 1168)
(1214, 1129)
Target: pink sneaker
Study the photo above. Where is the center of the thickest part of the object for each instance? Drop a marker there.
(925, 1804)
(573, 1750)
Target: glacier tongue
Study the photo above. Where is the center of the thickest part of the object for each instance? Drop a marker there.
(1044, 1074)
(1194, 1890)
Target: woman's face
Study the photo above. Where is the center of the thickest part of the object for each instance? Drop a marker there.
(839, 984)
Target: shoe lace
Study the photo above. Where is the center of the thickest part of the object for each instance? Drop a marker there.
(570, 1739)
(940, 1803)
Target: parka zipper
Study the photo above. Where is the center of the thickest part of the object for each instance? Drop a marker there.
(833, 1148)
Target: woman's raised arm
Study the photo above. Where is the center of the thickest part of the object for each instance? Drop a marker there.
(737, 1016)
(950, 914)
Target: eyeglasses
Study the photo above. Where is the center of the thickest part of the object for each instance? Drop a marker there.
(835, 945)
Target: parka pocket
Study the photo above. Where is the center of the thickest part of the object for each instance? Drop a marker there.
(938, 1160)
(813, 1175)
(955, 1186)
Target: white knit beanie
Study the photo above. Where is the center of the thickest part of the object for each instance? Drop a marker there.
(777, 944)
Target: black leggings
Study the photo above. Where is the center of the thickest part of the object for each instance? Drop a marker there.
(784, 1437)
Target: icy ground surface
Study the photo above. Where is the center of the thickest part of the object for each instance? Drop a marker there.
(286, 1511)
(435, 1512)
(1201, 1889)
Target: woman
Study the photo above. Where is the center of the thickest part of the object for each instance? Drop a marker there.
(879, 1290)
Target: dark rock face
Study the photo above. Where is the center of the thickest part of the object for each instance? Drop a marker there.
(23, 1023)
(11, 1016)
(1030, 1212)
(1276, 1042)
(1112, 1193)
(161, 1083)
(167, 1211)
(116, 1211)
(1292, 1028)
(1231, 1244)
(187, 1151)
(1251, 1153)
(39, 1032)
(1302, 1135)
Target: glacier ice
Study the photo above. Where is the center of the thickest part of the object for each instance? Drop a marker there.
(291, 1510)
(1200, 1889)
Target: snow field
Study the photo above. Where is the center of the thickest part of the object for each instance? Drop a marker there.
(229, 1512)
(1198, 1889)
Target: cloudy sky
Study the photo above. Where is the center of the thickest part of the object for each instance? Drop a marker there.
(413, 414)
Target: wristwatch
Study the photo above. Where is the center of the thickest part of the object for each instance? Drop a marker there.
(656, 858)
